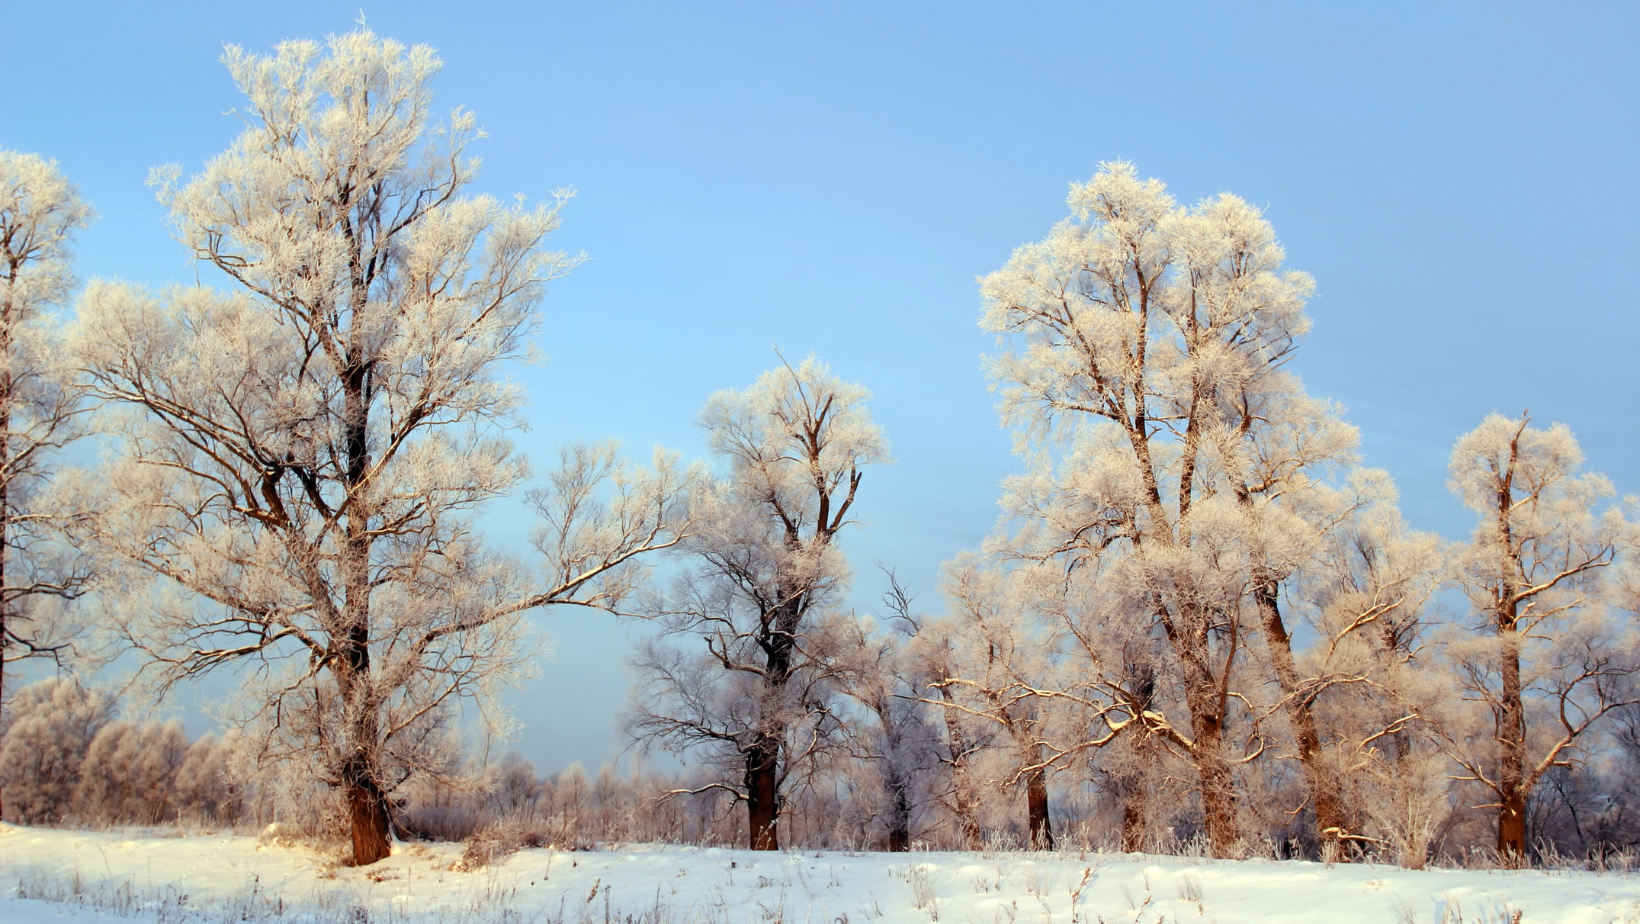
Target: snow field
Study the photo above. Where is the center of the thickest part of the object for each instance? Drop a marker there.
(58, 876)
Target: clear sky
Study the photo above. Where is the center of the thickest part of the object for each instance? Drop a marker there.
(1462, 179)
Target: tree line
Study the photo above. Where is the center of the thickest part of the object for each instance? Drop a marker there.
(1199, 620)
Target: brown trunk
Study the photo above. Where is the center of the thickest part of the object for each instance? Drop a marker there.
(1135, 817)
(763, 757)
(1133, 777)
(1331, 824)
(762, 794)
(1512, 748)
(367, 812)
(1217, 784)
(1036, 810)
(366, 802)
(1511, 717)
(5, 482)
(899, 809)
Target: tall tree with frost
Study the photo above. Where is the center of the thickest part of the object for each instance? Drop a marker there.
(39, 402)
(1548, 662)
(302, 453)
(1146, 339)
(760, 585)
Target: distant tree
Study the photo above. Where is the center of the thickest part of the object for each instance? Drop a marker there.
(1001, 668)
(896, 742)
(202, 790)
(760, 587)
(130, 773)
(1548, 660)
(40, 212)
(302, 455)
(1375, 689)
(934, 663)
(53, 724)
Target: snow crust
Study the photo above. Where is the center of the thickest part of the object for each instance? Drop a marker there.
(152, 876)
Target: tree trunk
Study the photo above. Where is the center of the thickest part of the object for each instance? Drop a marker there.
(762, 794)
(1133, 779)
(367, 811)
(1135, 818)
(1036, 810)
(899, 805)
(5, 481)
(1512, 748)
(962, 797)
(367, 803)
(1217, 785)
(899, 818)
(1331, 823)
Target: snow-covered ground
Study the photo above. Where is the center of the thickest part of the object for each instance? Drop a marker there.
(60, 876)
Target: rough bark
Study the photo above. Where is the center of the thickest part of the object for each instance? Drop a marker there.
(1512, 750)
(367, 811)
(1326, 796)
(1135, 818)
(361, 781)
(763, 794)
(897, 780)
(1036, 810)
(899, 811)
(762, 777)
(1217, 784)
(1511, 731)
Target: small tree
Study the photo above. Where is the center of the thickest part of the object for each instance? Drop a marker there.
(896, 742)
(1375, 691)
(1546, 662)
(759, 588)
(301, 457)
(40, 212)
(1002, 663)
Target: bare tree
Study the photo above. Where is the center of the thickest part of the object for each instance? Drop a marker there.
(301, 456)
(1547, 663)
(760, 588)
(40, 212)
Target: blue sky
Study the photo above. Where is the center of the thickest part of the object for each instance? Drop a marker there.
(1462, 179)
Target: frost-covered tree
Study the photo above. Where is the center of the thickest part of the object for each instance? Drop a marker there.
(746, 668)
(1548, 659)
(1144, 348)
(1374, 690)
(302, 453)
(40, 212)
(896, 742)
(1001, 668)
(52, 725)
(202, 790)
(130, 773)
(934, 663)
